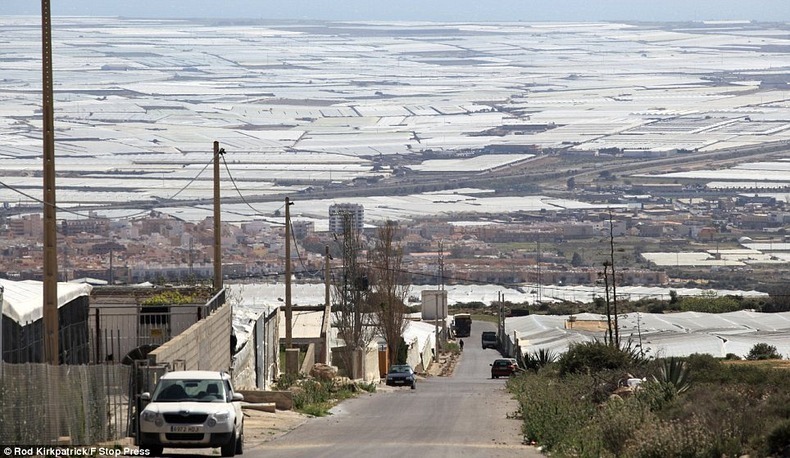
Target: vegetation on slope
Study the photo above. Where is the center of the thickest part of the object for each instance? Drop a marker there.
(698, 406)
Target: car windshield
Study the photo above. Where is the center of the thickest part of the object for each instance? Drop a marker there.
(501, 362)
(400, 369)
(175, 390)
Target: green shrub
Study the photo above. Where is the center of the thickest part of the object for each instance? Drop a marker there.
(315, 410)
(316, 397)
(673, 373)
(736, 414)
(778, 440)
(169, 297)
(710, 303)
(287, 380)
(762, 351)
(704, 367)
(554, 411)
(452, 348)
(539, 359)
(698, 406)
(312, 392)
(656, 396)
(617, 423)
(663, 439)
(589, 357)
(656, 307)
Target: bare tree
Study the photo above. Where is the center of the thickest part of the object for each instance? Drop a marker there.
(351, 317)
(390, 288)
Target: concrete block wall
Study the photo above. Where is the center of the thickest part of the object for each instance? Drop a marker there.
(372, 373)
(204, 346)
(244, 371)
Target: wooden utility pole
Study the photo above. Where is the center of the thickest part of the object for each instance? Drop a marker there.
(614, 282)
(437, 298)
(326, 354)
(51, 353)
(217, 223)
(327, 278)
(50, 320)
(288, 310)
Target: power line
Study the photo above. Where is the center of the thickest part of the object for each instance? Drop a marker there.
(299, 256)
(238, 191)
(67, 210)
(192, 180)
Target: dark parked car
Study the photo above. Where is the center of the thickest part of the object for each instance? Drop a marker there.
(503, 367)
(402, 374)
(489, 339)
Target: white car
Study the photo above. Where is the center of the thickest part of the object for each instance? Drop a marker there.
(192, 409)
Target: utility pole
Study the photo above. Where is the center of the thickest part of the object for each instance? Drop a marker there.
(614, 281)
(327, 304)
(191, 256)
(50, 306)
(217, 223)
(51, 342)
(288, 310)
(501, 320)
(327, 273)
(438, 298)
(66, 264)
(540, 280)
(2, 290)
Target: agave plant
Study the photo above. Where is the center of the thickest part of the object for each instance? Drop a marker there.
(539, 359)
(674, 372)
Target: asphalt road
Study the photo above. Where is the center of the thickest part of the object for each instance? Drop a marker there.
(465, 414)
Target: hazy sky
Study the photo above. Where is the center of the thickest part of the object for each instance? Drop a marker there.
(417, 10)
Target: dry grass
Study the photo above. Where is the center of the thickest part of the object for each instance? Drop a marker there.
(763, 364)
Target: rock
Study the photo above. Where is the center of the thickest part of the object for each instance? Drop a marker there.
(624, 392)
(263, 406)
(321, 371)
(282, 399)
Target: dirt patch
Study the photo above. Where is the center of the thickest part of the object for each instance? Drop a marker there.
(260, 427)
(445, 366)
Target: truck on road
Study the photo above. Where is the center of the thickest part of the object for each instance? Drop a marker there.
(462, 324)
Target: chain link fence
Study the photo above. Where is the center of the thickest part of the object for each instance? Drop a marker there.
(42, 404)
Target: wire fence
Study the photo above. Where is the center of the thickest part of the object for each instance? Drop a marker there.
(41, 404)
(92, 396)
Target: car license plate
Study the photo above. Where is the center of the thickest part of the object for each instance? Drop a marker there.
(185, 429)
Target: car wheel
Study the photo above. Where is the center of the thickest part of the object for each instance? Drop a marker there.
(229, 449)
(413, 385)
(155, 450)
(240, 444)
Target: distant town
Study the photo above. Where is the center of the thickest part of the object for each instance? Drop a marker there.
(686, 240)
